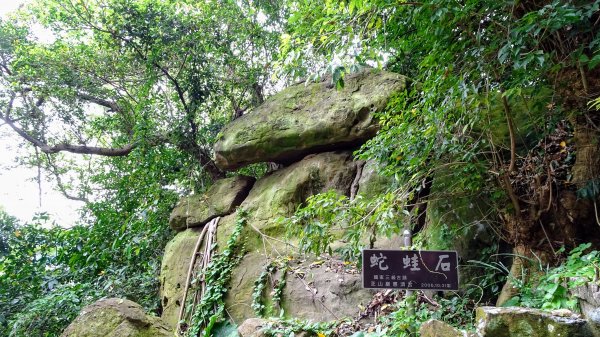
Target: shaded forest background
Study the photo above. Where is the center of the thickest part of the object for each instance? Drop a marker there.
(121, 108)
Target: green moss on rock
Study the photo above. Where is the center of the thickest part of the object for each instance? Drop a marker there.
(525, 322)
(302, 119)
(220, 199)
(114, 317)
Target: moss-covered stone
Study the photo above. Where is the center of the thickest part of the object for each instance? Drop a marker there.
(524, 322)
(252, 327)
(435, 328)
(372, 183)
(276, 195)
(303, 119)
(173, 273)
(280, 193)
(116, 317)
(220, 199)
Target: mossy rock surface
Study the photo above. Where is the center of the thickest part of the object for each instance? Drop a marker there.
(435, 328)
(114, 317)
(281, 192)
(221, 199)
(304, 119)
(316, 289)
(173, 273)
(525, 322)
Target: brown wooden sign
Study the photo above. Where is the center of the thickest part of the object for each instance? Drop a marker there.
(410, 269)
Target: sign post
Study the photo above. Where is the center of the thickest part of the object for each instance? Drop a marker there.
(409, 293)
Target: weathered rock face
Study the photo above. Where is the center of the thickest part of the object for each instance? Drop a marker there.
(589, 298)
(332, 293)
(173, 273)
(320, 291)
(303, 119)
(276, 195)
(522, 322)
(371, 182)
(115, 317)
(220, 199)
(281, 192)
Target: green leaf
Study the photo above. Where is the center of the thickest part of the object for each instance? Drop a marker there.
(593, 63)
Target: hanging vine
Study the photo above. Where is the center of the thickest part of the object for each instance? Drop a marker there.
(216, 277)
(260, 284)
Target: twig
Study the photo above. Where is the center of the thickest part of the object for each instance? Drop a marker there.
(547, 237)
(511, 132)
(584, 80)
(308, 288)
(355, 184)
(596, 213)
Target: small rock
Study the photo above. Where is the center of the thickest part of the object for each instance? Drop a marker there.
(221, 199)
(435, 328)
(252, 327)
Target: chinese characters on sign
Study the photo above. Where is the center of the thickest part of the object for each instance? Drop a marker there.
(410, 269)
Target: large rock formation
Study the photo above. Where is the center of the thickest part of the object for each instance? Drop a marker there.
(281, 192)
(298, 121)
(277, 195)
(308, 118)
(116, 317)
(220, 199)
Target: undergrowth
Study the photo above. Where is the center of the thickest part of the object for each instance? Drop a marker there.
(550, 288)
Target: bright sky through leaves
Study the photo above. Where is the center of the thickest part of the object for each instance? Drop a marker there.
(19, 194)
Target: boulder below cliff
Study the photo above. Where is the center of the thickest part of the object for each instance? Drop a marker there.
(116, 317)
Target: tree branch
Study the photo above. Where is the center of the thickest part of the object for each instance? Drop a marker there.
(102, 102)
(59, 183)
(511, 132)
(64, 147)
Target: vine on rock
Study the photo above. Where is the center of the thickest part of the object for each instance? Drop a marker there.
(278, 285)
(216, 277)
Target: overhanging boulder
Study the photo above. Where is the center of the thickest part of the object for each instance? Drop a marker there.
(304, 119)
(221, 199)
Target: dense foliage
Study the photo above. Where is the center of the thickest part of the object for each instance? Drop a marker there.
(121, 101)
(477, 67)
(48, 273)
